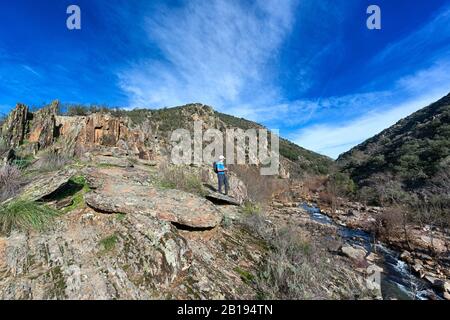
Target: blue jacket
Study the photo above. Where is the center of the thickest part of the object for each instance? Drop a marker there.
(220, 167)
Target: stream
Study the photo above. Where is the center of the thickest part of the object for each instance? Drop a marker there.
(397, 282)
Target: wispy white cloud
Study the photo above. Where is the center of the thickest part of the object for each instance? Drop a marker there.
(222, 52)
(432, 35)
(215, 52)
(300, 112)
(332, 140)
(31, 70)
(335, 137)
(411, 92)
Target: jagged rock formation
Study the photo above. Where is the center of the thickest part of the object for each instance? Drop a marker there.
(14, 129)
(74, 136)
(43, 130)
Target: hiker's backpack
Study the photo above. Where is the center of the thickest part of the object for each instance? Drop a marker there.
(215, 167)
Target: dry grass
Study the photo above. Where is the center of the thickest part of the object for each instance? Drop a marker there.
(313, 184)
(50, 161)
(292, 268)
(295, 268)
(10, 181)
(178, 177)
(260, 189)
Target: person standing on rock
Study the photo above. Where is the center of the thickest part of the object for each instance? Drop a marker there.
(221, 170)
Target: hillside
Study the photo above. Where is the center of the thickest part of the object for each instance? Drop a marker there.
(305, 160)
(165, 120)
(411, 157)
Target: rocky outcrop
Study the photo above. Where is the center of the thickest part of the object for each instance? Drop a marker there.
(115, 192)
(92, 256)
(15, 127)
(46, 184)
(91, 133)
(221, 198)
(237, 188)
(43, 129)
(76, 135)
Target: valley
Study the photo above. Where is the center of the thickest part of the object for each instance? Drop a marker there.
(91, 207)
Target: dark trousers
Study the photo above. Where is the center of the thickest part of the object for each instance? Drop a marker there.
(223, 180)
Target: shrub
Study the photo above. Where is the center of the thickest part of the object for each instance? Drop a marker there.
(250, 208)
(389, 222)
(260, 189)
(295, 267)
(256, 223)
(25, 215)
(83, 110)
(10, 181)
(313, 184)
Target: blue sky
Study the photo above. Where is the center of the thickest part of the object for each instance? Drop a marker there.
(310, 68)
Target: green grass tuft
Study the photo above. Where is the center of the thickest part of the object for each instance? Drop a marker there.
(121, 216)
(109, 243)
(77, 192)
(246, 276)
(25, 215)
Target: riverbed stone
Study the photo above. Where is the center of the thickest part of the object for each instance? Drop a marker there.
(357, 254)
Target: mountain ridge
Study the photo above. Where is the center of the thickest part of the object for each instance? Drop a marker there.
(413, 153)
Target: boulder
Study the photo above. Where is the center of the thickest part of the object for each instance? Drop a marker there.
(117, 193)
(447, 286)
(148, 163)
(373, 280)
(418, 268)
(357, 254)
(373, 257)
(406, 256)
(47, 184)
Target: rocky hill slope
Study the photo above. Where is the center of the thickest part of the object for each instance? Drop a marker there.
(411, 157)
